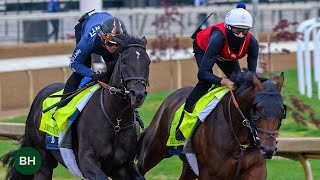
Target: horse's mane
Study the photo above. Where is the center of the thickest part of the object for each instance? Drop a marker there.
(128, 39)
(244, 79)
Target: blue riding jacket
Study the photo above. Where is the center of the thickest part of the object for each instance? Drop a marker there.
(90, 43)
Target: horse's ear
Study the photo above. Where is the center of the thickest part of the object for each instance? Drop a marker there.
(144, 40)
(280, 82)
(257, 83)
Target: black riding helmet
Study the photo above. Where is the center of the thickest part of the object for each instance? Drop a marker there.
(110, 27)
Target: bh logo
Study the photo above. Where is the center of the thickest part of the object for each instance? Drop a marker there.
(27, 161)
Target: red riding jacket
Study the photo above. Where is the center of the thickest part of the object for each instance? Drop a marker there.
(203, 37)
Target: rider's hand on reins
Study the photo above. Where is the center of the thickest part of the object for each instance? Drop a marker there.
(98, 76)
(228, 83)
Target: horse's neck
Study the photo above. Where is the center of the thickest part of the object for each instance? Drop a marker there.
(236, 119)
(117, 107)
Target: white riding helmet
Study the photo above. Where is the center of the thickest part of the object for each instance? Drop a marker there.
(238, 17)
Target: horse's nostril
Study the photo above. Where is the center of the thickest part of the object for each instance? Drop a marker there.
(145, 93)
(276, 149)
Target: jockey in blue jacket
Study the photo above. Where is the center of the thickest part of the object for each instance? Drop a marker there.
(94, 34)
(222, 44)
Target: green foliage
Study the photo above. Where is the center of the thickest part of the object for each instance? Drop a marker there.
(289, 125)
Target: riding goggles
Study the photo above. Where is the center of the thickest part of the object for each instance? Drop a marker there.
(107, 39)
(237, 30)
(110, 44)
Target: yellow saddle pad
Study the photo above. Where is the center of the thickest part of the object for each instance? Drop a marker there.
(190, 119)
(51, 126)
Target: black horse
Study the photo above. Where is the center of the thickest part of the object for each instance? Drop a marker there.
(104, 135)
(227, 144)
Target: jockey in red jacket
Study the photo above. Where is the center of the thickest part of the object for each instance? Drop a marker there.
(222, 44)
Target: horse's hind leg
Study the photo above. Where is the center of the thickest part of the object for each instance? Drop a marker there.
(187, 173)
(48, 164)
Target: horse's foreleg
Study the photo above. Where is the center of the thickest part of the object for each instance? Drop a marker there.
(90, 166)
(254, 173)
(129, 171)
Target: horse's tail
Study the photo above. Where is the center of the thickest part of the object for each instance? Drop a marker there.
(139, 144)
(7, 160)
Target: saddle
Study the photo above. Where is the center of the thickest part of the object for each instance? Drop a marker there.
(53, 122)
(202, 109)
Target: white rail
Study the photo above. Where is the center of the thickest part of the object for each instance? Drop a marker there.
(139, 20)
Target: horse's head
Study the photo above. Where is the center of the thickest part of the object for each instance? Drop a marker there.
(267, 113)
(131, 73)
(262, 102)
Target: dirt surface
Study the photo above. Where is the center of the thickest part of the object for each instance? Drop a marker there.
(43, 49)
(35, 49)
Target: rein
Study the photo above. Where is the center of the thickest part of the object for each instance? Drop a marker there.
(253, 132)
(122, 91)
(245, 123)
(116, 127)
(113, 90)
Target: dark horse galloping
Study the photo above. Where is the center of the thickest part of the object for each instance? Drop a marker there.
(225, 145)
(102, 145)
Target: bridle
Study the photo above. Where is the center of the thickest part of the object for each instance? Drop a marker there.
(122, 91)
(245, 122)
(252, 130)
(123, 79)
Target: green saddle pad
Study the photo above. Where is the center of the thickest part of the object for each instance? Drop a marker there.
(190, 119)
(60, 121)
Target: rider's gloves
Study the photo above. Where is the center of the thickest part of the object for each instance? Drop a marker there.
(99, 76)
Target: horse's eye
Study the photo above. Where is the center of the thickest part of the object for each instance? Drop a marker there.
(258, 109)
(283, 111)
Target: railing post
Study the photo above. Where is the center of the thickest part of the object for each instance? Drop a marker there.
(31, 89)
(306, 167)
(65, 74)
(0, 98)
(179, 74)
